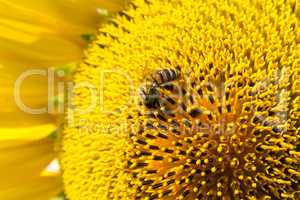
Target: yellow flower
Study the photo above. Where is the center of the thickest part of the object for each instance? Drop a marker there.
(229, 130)
(35, 35)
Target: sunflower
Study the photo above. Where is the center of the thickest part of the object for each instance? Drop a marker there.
(187, 99)
(38, 35)
(174, 99)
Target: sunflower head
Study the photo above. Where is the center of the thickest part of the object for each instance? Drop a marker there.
(226, 128)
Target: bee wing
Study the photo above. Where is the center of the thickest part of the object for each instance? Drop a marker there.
(142, 92)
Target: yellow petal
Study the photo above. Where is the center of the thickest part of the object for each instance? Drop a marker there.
(22, 161)
(35, 34)
(27, 133)
(43, 188)
(48, 31)
(33, 93)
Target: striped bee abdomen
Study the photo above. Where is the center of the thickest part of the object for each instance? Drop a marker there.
(164, 75)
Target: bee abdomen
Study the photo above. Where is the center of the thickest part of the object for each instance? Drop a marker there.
(165, 75)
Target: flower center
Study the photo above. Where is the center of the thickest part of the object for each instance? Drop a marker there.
(226, 126)
(212, 132)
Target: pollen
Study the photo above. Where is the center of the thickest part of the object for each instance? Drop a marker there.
(227, 128)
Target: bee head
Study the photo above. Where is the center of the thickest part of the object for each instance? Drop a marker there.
(150, 95)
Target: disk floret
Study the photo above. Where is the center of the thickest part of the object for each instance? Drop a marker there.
(216, 133)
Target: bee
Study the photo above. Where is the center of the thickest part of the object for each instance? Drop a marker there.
(149, 92)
